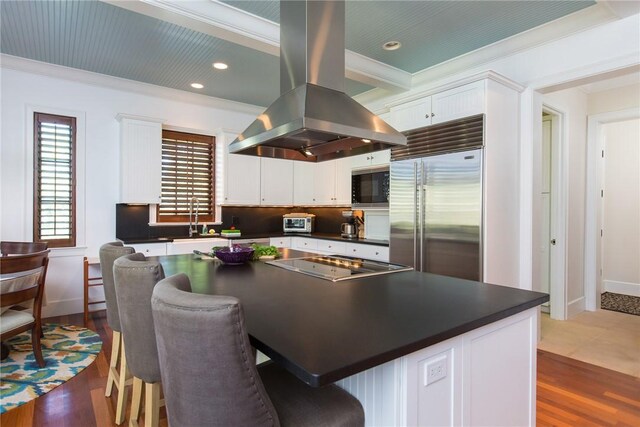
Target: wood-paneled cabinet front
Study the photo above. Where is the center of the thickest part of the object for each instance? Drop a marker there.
(140, 160)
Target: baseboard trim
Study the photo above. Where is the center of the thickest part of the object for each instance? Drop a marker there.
(64, 307)
(625, 288)
(576, 306)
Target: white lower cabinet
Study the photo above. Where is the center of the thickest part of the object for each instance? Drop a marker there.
(187, 246)
(304, 244)
(151, 249)
(484, 377)
(332, 247)
(280, 242)
(374, 252)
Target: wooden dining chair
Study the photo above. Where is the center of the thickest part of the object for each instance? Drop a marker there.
(135, 277)
(22, 248)
(210, 377)
(108, 253)
(23, 278)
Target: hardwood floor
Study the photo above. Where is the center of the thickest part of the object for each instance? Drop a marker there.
(570, 393)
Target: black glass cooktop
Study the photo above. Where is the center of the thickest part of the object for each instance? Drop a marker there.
(336, 268)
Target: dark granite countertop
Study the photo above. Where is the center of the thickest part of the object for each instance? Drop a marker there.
(323, 236)
(323, 331)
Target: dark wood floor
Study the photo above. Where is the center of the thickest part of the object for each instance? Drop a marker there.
(570, 393)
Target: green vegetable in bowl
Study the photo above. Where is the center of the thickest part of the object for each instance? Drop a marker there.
(260, 251)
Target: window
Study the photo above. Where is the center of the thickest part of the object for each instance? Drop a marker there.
(54, 218)
(187, 175)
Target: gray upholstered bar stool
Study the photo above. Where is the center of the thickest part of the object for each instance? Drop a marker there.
(135, 278)
(109, 252)
(210, 377)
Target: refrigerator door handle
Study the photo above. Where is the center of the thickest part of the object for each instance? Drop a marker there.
(421, 208)
(415, 215)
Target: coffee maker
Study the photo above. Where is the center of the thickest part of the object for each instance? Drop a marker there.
(350, 229)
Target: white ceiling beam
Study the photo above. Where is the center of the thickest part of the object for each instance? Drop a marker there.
(237, 26)
(621, 8)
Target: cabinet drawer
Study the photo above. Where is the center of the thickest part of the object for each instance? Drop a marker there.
(179, 247)
(151, 249)
(332, 247)
(280, 242)
(374, 252)
(304, 244)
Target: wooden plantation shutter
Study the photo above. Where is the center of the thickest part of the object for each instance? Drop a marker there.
(54, 219)
(187, 171)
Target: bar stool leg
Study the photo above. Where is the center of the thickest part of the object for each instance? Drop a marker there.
(113, 363)
(122, 387)
(136, 401)
(152, 404)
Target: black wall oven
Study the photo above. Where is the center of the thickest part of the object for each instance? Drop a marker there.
(370, 188)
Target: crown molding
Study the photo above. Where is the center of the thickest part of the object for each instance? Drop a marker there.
(102, 80)
(125, 116)
(237, 26)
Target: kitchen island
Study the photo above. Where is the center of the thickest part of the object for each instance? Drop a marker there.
(414, 348)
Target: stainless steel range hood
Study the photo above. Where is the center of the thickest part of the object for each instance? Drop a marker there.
(314, 120)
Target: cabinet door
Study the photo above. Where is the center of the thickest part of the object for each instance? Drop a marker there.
(458, 102)
(324, 183)
(412, 115)
(303, 179)
(151, 249)
(360, 161)
(276, 182)
(242, 178)
(140, 161)
(343, 182)
(374, 252)
(379, 158)
(280, 242)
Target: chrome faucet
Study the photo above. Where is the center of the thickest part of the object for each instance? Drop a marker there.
(193, 230)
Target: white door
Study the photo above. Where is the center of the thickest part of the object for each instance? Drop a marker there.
(303, 183)
(242, 178)
(545, 239)
(324, 183)
(343, 182)
(276, 181)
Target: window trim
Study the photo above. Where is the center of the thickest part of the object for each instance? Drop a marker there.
(72, 121)
(197, 137)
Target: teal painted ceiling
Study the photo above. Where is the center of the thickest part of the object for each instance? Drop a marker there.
(103, 38)
(431, 32)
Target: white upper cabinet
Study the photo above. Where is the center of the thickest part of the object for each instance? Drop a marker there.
(377, 158)
(322, 184)
(463, 101)
(242, 178)
(303, 183)
(276, 181)
(412, 115)
(140, 159)
(343, 182)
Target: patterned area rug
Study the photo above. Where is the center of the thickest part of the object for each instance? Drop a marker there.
(619, 302)
(67, 350)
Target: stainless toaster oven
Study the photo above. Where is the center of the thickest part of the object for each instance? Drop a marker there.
(297, 223)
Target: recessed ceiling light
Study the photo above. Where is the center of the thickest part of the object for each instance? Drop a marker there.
(197, 85)
(366, 141)
(220, 66)
(392, 45)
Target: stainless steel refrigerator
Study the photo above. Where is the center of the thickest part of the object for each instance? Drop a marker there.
(435, 211)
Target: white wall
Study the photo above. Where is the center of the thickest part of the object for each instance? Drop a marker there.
(621, 207)
(621, 98)
(22, 91)
(573, 103)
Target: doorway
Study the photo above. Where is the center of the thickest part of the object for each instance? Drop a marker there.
(552, 247)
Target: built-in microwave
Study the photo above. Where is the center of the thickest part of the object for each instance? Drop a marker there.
(370, 188)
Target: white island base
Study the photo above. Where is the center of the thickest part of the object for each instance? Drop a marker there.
(485, 377)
